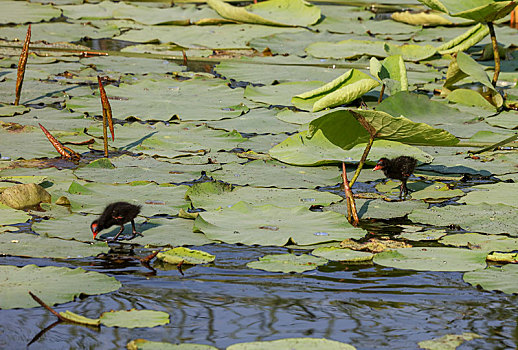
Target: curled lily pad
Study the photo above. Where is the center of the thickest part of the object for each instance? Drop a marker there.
(432, 259)
(24, 196)
(181, 255)
(52, 284)
(287, 263)
(134, 318)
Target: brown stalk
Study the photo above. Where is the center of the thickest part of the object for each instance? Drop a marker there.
(149, 257)
(381, 93)
(351, 205)
(22, 63)
(496, 54)
(362, 161)
(39, 301)
(64, 151)
(107, 116)
(184, 58)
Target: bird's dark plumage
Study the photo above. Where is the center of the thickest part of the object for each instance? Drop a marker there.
(399, 168)
(117, 213)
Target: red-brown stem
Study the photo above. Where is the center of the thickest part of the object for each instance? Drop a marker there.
(381, 93)
(362, 161)
(22, 63)
(149, 257)
(496, 54)
(107, 109)
(39, 301)
(184, 58)
(351, 205)
(59, 147)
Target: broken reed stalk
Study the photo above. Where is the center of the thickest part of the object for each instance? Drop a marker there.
(496, 54)
(22, 63)
(39, 301)
(381, 93)
(184, 58)
(362, 161)
(107, 116)
(352, 213)
(149, 257)
(64, 151)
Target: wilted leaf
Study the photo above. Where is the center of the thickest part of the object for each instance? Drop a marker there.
(181, 255)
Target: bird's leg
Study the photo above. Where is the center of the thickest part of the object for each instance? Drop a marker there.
(403, 190)
(118, 234)
(135, 233)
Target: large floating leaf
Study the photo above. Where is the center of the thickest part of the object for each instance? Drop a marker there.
(134, 318)
(52, 284)
(274, 12)
(277, 174)
(341, 254)
(447, 342)
(293, 343)
(379, 208)
(10, 216)
(22, 244)
(504, 279)
(280, 94)
(181, 255)
(213, 195)
(432, 259)
(93, 197)
(298, 149)
(287, 263)
(483, 242)
(26, 12)
(271, 225)
(486, 218)
(346, 49)
(493, 194)
(344, 129)
(143, 344)
(344, 89)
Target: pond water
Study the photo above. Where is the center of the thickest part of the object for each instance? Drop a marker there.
(368, 306)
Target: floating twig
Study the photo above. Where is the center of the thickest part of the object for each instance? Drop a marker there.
(39, 301)
(63, 150)
(107, 116)
(22, 63)
(149, 257)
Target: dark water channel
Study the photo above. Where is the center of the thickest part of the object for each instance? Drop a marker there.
(368, 306)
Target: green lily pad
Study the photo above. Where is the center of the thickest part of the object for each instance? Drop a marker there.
(143, 344)
(54, 285)
(477, 10)
(280, 94)
(437, 192)
(72, 317)
(492, 219)
(287, 263)
(273, 13)
(447, 342)
(293, 343)
(477, 241)
(492, 194)
(346, 49)
(432, 259)
(379, 208)
(298, 149)
(213, 195)
(340, 254)
(10, 111)
(154, 199)
(128, 100)
(276, 174)
(502, 279)
(271, 225)
(22, 244)
(26, 12)
(429, 235)
(74, 226)
(10, 216)
(508, 120)
(181, 255)
(134, 318)
(160, 232)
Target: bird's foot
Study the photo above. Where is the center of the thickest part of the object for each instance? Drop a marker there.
(135, 234)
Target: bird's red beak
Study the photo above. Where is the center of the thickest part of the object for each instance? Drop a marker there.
(95, 231)
(377, 167)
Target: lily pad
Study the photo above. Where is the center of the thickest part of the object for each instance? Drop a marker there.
(379, 208)
(492, 219)
(492, 194)
(26, 12)
(181, 255)
(502, 279)
(447, 342)
(341, 254)
(486, 243)
(23, 196)
(10, 216)
(276, 174)
(143, 344)
(134, 318)
(54, 285)
(287, 263)
(22, 244)
(293, 343)
(432, 259)
(213, 195)
(271, 225)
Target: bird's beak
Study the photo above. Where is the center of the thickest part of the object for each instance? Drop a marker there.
(95, 235)
(377, 167)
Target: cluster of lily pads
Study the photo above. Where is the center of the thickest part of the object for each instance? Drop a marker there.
(211, 161)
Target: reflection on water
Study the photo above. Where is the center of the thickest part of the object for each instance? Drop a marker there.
(368, 306)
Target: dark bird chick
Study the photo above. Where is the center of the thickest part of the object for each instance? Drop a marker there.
(399, 168)
(117, 213)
